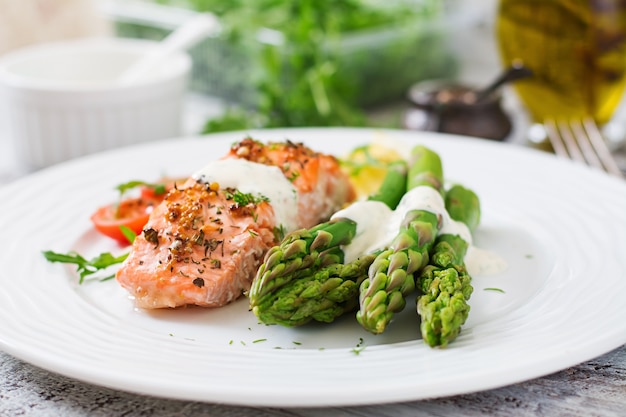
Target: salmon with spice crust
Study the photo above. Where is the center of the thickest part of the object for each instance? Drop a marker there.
(203, 244)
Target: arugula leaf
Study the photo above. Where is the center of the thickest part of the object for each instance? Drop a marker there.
(128, 233)
(86, 268)
(157, 187)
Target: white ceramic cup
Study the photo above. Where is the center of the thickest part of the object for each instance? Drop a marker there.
(62, 100)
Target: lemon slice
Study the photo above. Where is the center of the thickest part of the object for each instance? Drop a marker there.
(367, 166)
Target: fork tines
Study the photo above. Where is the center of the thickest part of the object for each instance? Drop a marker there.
(582, 141)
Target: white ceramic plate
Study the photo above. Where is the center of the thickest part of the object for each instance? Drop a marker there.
(561, 228)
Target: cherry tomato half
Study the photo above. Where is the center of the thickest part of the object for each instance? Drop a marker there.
(132, 213)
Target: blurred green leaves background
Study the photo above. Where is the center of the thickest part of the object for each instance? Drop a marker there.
(284, 63)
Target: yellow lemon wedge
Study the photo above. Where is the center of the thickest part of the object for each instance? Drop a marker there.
(367, 165)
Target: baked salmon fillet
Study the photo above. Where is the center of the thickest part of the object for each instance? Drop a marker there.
(203, 244)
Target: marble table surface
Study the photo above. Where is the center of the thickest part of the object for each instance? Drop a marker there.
(594, 388)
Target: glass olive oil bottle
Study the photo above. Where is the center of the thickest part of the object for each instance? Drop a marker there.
(576, 50)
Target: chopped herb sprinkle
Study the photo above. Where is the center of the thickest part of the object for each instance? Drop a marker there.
(357, 351)
(243, 199)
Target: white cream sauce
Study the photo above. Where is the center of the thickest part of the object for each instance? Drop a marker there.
(377, 225)
(371, 217)
(258, 180)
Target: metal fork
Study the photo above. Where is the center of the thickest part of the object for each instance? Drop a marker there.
(582, 141)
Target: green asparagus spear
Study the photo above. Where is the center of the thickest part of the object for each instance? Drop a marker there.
(462, 205)
(425, 168)
(393, 186)
(444, 283)
(322, 296)
(300, 254)
(390, 278)
(304, 278)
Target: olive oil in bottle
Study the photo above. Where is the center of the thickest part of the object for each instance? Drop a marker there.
(576, 50)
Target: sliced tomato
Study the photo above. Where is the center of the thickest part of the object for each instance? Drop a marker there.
(132, 213)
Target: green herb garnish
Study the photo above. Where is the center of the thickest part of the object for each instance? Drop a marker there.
(294, 175)
(86, 268)
(128, 234)
(358, 350)
(243, 199)
(494, 289)
(158, 189)
(279, 232)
